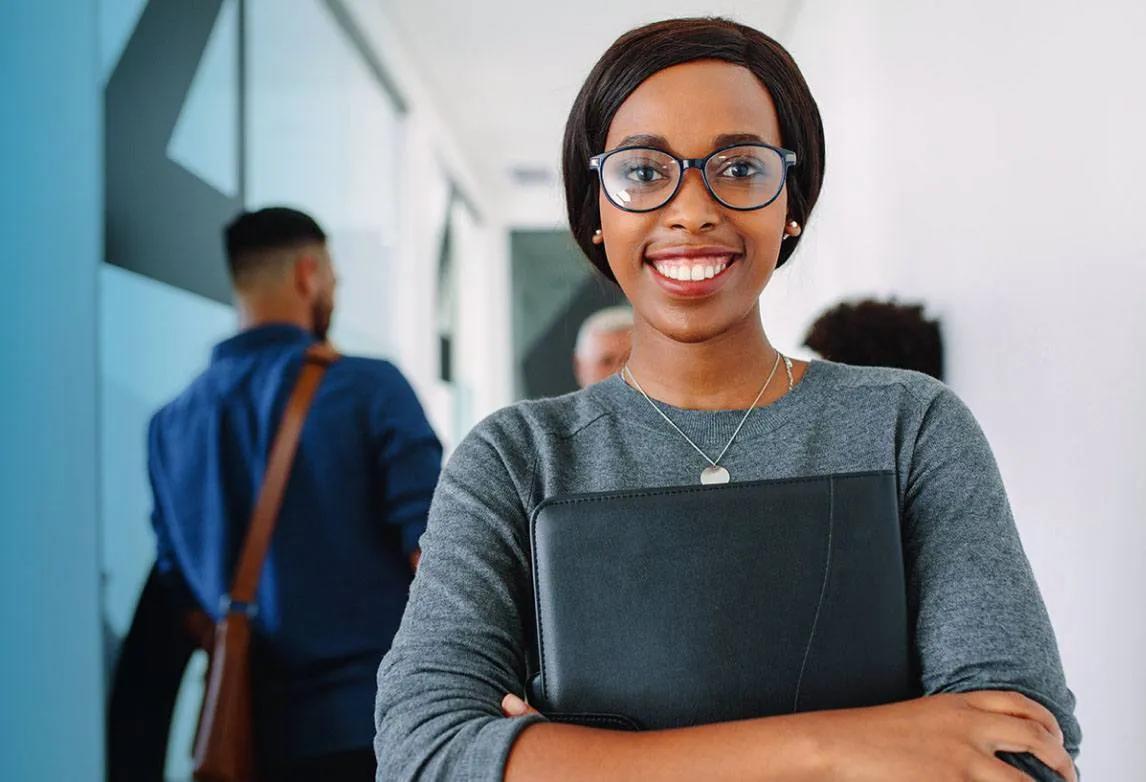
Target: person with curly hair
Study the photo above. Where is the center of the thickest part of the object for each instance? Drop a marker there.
(872, 333)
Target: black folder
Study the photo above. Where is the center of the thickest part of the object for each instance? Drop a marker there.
(681, 606)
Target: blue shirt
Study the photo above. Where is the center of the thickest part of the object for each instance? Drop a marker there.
(335, 581)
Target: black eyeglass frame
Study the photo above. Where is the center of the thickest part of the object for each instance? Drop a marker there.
(597, 163)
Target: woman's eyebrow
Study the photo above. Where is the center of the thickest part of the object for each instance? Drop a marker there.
(660, 142)
(644, 140)
(727, 139)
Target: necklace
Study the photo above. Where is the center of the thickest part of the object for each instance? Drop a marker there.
(715, 472)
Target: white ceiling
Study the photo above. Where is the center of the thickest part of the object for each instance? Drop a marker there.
(504, 73)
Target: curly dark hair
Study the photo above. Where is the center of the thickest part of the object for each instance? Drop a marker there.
(640, 53)
(879, 334)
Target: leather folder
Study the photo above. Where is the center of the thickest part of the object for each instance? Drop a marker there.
(681, 606)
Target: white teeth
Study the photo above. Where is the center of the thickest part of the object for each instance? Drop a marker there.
(689, 273)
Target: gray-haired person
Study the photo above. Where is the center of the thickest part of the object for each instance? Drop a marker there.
(603, 343)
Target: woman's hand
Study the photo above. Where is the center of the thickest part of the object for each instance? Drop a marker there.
(941, 737)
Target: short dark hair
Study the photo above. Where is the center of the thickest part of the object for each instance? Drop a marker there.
(251, 234)
(640, 53)
(879, 334)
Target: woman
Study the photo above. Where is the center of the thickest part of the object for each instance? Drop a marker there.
(692, 251)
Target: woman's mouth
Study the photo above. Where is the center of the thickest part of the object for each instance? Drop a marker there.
(689, 272)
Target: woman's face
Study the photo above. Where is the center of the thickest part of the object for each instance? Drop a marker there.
(691, 110)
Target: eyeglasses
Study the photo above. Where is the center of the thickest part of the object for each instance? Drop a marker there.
(741, 177)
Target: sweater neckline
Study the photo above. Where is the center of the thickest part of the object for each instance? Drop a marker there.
(713, 428)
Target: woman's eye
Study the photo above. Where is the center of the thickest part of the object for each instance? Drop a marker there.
(739, 169)
(644, 174)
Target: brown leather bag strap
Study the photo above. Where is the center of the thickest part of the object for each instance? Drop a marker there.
(258, 540)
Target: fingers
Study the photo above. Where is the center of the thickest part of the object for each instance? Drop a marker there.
(995, 770)
(513, 706)
(1017, 734)
(1028, 727)
(1017, 705)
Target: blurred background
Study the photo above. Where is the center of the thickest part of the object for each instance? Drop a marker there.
(985, 158)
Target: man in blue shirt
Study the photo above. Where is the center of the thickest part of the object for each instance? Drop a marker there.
(335, 582)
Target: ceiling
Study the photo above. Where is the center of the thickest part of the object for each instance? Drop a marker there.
(503, 73)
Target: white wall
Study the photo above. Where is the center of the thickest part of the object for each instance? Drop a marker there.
(51, 716)
(988, 158)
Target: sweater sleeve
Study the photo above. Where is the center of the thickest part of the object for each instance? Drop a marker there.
(461, 646)
(979, 620)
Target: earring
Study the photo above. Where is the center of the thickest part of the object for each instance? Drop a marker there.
(598, 237)
(792, 229)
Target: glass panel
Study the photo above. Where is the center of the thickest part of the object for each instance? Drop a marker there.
(324, 136)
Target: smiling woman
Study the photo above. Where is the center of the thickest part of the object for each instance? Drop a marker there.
(693, 159)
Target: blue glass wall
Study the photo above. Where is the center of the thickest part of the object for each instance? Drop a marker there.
(51, 240)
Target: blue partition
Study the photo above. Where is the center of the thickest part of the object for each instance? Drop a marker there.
(51, 679)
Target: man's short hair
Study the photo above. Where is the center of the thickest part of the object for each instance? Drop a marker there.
(252, 238)
(606, 321)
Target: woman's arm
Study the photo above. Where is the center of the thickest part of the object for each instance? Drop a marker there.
(461, 643)
(777, 748)
(979, 620)
(940, 739)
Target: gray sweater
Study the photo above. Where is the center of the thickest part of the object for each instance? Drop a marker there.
(978, 620)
